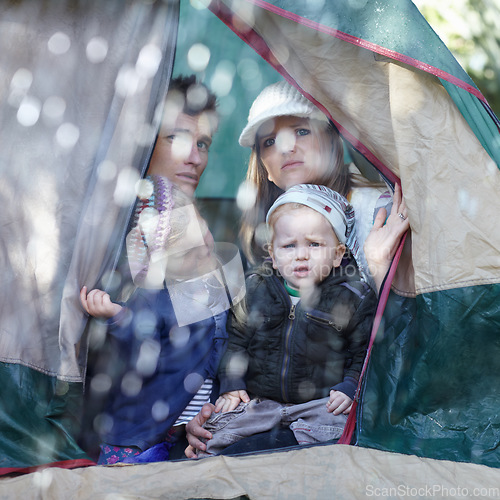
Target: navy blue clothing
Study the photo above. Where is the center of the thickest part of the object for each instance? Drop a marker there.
(158, 367)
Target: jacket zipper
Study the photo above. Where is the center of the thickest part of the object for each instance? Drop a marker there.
(288, 336)
(324, 321)
(286, 356)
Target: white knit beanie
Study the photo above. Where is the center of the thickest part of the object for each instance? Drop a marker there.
(277, 99)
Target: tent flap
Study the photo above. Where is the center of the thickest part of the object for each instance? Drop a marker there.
(80, 85)
(400, 98)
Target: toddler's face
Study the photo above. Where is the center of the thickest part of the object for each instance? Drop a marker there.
(305, 248)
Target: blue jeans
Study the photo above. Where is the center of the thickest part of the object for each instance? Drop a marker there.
(310, 422)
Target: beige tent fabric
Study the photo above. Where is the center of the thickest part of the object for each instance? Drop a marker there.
(408, 121)
(322, 472)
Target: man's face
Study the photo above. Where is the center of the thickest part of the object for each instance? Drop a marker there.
(181, 151)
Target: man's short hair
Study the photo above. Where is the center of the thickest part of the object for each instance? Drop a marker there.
(197, 96)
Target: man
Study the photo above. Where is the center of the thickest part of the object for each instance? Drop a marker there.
(181, 151)
(189, 122)
(180, 154)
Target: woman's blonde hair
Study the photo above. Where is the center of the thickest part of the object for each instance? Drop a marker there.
(337, 177)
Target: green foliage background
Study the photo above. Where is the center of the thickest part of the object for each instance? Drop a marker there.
(471, 30)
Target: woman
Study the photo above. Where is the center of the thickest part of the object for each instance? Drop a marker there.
(293, 143)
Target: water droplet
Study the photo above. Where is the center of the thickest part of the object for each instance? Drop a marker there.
(97, 49)
(67, 135)
(148, 61)
(198, 57)
(59, 43)
(29, 111)
(53, 109)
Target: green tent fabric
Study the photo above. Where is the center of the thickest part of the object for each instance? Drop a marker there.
(432, 384)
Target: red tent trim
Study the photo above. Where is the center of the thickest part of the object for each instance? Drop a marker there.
(350, 426)
(372, 47)
(64, 464)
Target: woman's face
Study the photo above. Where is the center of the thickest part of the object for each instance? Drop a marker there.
(294, 150)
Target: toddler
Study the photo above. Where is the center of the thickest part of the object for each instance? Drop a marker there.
(298, 340)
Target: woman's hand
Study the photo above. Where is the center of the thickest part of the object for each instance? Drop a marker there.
(98, 303)
(382, 242)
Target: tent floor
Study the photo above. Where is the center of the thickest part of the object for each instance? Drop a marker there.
(334, 471)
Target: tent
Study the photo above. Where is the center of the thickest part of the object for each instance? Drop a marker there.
(79, 79)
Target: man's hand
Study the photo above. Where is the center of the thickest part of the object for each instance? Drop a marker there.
(195, 431)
